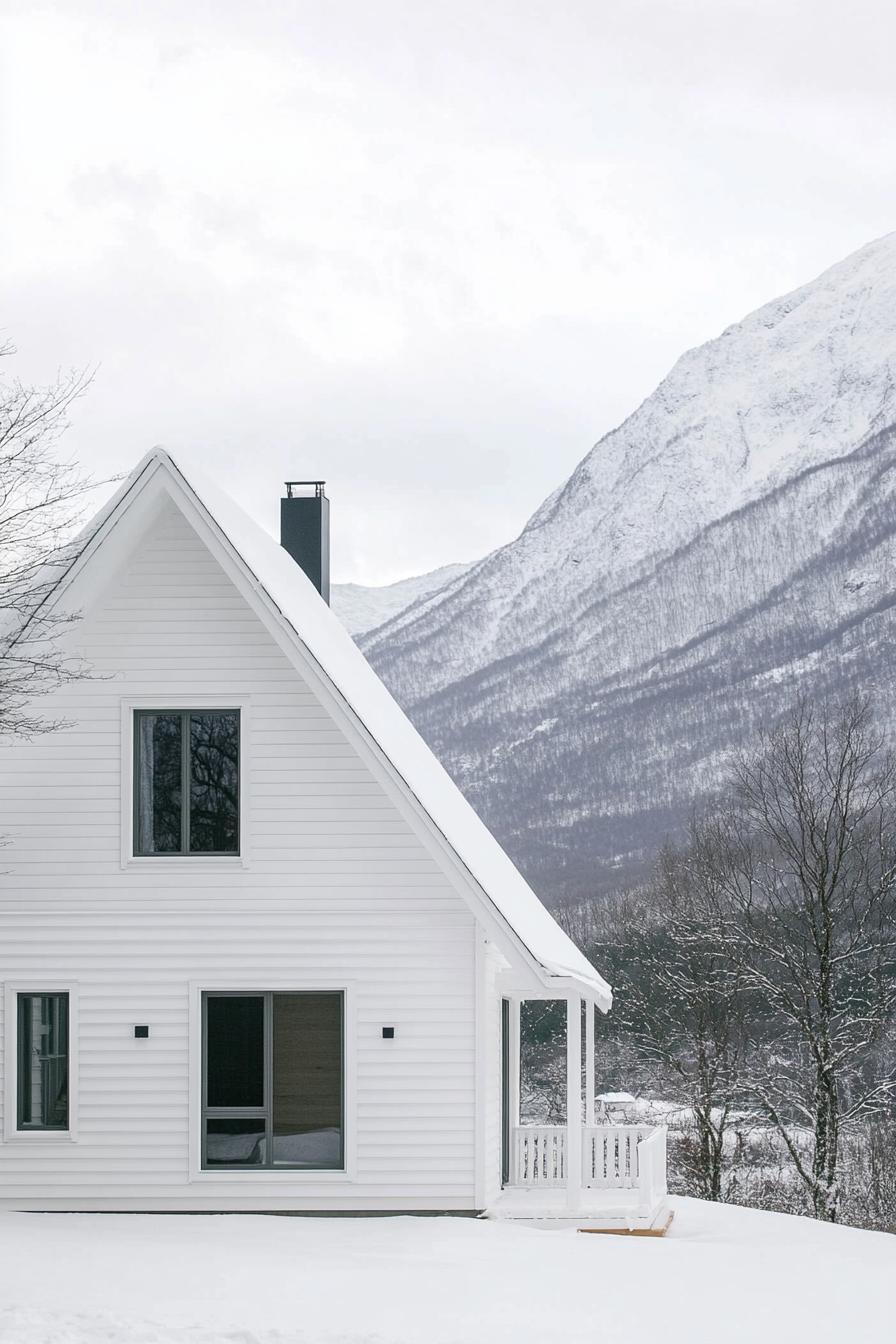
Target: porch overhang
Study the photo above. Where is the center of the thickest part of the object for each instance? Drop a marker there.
(536, 983)
(582, 1169)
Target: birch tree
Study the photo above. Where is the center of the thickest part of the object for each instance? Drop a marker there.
(678, 1002)
(804, 871)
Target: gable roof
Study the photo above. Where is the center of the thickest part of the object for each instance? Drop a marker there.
(277, 577)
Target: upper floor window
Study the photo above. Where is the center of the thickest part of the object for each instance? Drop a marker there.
(186, 781)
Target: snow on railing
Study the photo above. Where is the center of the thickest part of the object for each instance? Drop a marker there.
(652, 1169)
(610, 1155)
(539, 1155)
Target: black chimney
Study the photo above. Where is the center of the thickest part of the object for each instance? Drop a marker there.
(305, 531)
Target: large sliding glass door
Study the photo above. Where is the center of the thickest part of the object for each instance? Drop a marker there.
(273, 1074)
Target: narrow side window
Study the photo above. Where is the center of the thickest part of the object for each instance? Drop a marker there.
(43, 1061)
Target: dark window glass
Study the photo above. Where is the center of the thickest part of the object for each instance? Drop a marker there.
(235, 1143)
(235, 1051)
(186, 782)
(307, 1082)
(214, 783)
(159, 783)
(43, 1061)
(273, 1080)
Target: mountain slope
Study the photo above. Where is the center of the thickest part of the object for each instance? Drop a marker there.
(362, 607)
(732, 540)
(805, 378)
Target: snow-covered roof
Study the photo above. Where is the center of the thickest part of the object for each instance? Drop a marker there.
(331, 647)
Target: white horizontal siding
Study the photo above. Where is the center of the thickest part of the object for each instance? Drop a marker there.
(336, 888)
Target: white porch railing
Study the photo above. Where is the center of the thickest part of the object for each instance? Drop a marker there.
(539, 1155)
(613, 1157)
(610, 1155)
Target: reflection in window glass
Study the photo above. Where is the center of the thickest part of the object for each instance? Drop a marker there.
(186, 782)
(159, 769)
(214, 783)
(42, 1083)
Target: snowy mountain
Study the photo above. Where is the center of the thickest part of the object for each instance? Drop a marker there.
(362, 608)
(732, 539)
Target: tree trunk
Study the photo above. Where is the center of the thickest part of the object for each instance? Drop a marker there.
(710, 1149)
(826, 1193)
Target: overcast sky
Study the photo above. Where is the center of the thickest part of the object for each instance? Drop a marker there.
(430, 252)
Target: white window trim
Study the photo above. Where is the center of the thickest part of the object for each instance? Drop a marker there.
(286, 1175)
(37, 984)
(193, 863)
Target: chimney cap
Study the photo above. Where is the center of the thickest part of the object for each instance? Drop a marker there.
(293, 488)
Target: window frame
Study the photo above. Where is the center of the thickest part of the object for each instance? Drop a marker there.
(291, 1179)
(130, 858)
(23, 1058)
(37, 985)
(185, 716)
(265, 1111)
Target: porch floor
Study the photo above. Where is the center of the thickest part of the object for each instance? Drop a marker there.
(611, 1210)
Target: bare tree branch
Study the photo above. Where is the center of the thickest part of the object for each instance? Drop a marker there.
(41, 497)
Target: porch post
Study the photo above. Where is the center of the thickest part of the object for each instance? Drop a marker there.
(589, 1062)
(573, 1100)
(515, 1065)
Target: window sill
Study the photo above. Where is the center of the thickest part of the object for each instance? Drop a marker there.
(182, 863)
(299, 1174)
(40, 1136)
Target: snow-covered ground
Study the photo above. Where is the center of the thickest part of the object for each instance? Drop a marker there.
(723, 1274)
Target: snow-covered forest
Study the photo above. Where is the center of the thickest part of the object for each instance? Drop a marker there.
(755, 979)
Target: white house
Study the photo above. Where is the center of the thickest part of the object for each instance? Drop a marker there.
(256, 950)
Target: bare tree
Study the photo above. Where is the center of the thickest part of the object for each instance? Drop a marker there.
(678, 1001)
(804, 876)
(40, 499)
